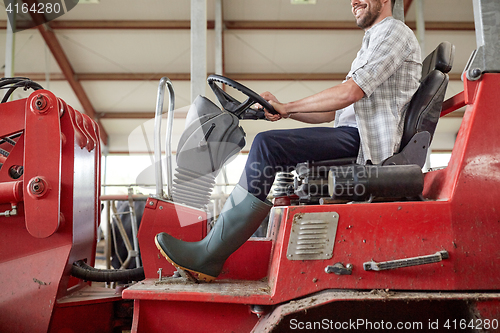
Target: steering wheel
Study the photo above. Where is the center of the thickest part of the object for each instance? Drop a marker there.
(231, 104)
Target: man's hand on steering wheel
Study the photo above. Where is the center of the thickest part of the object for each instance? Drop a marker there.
(278, 107)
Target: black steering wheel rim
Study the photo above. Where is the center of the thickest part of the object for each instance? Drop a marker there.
(229, 103)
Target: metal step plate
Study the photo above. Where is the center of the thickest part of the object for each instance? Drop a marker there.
(312, 236)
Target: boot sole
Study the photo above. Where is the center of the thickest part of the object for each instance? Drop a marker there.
(189, 273)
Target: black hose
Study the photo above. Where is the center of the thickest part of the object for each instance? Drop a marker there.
(17, 82)
(88, 273)
(20, 81)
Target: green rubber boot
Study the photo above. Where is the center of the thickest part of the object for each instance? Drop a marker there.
(241, 215)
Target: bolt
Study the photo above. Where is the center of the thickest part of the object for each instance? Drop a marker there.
(37, 186)
(257, 309)
(161, 207)
(151, 203)
(41, 103)
(159, 273)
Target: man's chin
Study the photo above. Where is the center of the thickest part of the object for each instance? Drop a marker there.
(361, 23)
(364, 22)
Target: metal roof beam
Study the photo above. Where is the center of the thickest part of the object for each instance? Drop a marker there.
(186, 76)
(241, 25)
(182, 115)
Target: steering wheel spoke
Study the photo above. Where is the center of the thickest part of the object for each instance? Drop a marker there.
(231, 104)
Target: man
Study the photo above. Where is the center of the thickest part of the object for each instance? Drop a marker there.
(368, 109)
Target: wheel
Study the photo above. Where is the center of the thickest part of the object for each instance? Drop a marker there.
(230, 103)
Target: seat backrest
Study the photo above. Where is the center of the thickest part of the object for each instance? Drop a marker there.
(425, 106)
(441, 59)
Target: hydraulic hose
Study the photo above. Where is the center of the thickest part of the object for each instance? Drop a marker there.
(16, 82)
(88, 273)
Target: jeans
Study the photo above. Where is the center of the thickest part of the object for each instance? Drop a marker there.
(281, 150)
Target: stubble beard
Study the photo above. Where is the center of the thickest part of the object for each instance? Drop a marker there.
(370, 17)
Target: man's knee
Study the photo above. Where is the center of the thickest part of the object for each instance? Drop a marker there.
(266, 140)
(261, 138)
(265, 149)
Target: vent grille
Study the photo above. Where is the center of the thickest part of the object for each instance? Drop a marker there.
(312, 236)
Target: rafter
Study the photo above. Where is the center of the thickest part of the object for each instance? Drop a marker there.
(135, 115)
(182, 115)
(186, 76)
(239, 25)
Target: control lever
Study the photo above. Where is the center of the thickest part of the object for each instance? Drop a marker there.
(416, 261)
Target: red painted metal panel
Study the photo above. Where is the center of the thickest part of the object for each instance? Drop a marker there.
(79, 204)
(377, 231)
(80, 137)
(475, 205)
(83, 318)
(42, 164)
(89, 310)
(157, 316)
(30, 284)
(180, 221)
(12, 115)
(249, 262)
(35, 270)
(11, 192)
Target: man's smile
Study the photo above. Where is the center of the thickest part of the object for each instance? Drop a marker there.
(358, 10)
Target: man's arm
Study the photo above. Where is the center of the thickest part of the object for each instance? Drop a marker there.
(317, 108)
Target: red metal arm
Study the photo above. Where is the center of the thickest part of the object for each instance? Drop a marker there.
(452, 104)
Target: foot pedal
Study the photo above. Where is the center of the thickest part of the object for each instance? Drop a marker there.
(400, 263)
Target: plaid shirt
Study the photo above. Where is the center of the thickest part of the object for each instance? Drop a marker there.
(388, 69)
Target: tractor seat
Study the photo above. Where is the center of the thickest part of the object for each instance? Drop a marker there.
(420, 121)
